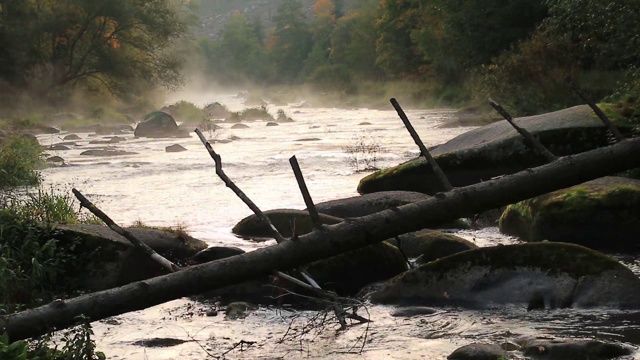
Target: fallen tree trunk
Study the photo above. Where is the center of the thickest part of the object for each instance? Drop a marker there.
(329, 241)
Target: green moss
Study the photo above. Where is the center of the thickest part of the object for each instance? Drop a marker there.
(551, 257)
(623, 114)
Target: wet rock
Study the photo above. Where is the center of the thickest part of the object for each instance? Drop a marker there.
(106, 152)
(175, 148)
(116, 262)
(112, 129)
(562, 274)
(57, 147)
(159, 342)
(285, 220)
(365, 123)
(478, 352)
(43, 129)
(573, 349)
(240, 126)
(429, 245)
(217, 111)
(603, 214)
(347, 273)
(113, 140)
(367, 204)
(493, 150)
(271, 123)
(159, 124)
(71, 137)
(215, 253)
(308, 139)
(55, 161)
(239, 310)
(413, 311)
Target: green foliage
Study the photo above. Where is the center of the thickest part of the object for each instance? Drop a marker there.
(187, 112)
(19, 159)
(117, 47)
(250, 114)
(291, 41)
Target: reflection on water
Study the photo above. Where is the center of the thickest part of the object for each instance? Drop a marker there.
(166, 189)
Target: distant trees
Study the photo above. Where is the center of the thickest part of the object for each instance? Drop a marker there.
(521, 49)
(117, 46)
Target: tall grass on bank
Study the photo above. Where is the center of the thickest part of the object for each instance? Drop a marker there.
(19, 159)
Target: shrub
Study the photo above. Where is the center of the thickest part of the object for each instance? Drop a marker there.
(187, 112)
(19, 159)
(250, 114)
(364, 153)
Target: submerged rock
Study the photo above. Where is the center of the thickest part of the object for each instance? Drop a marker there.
(602, 214)
(175, 148)
(563, 275)
(493, 150)
(285, 220)
(106, 152)
(478, 352)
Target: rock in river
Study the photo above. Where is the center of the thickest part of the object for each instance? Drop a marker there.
(285, 220)
(159, 124)
(551, 274)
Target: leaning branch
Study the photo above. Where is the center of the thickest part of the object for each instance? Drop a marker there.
(335, 239)
(84, 202)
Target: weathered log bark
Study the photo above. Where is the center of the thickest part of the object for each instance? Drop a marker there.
(331, 240)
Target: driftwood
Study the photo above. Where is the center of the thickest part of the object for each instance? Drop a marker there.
(423, 149)
(84, 202)
(332, 240)
(527, 135)
(315, 218)
(614, 130)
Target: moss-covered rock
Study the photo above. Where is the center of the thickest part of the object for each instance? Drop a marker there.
(116, 262)
(495, 149)
(431, 244)
(285, 220)
(349, 272)
(558, 274)
(602, 214)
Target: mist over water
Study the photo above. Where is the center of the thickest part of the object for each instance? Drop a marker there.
(167, 189)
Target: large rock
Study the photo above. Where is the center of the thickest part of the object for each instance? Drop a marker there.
(116, 262)
(159, 124)
(493, 150)
(430, 244)
(478, 352)
(216, 110)
(368, 204)
(106, 152)
(602, 214)
(544, 349)
(545, 274)
(285, 220)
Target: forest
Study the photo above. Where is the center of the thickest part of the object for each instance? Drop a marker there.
(446, 52)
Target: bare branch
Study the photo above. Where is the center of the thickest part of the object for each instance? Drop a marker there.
(315, 218)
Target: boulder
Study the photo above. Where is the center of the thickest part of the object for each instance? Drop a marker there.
(159, 124)
(271, 123)
(175, 148)
(57, 147)
(430, 245)
(603, 214)
(116, 262)
(368, 204)
(495, 149)
(478, 352)
(71, 137)
(216, 110)
(556, 274)
(347, 273)
(55, 161)
(572, 349)
(215, 253)
(106, 152)
(285, 220)
(240, 126)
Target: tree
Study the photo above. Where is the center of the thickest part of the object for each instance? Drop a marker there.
(325, 21)
(291, 41)
(117, 45)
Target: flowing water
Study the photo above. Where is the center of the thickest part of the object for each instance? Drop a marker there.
(170, 189)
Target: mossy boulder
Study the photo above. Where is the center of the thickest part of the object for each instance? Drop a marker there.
(159, 124)
(603, 214)
(285, 220)
(349, 272)
(553, 274)
(116, 262)
(431, 244)
(346, 274)
(539, 349)
(496, 149)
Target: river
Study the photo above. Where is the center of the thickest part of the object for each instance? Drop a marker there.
(182, 189)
